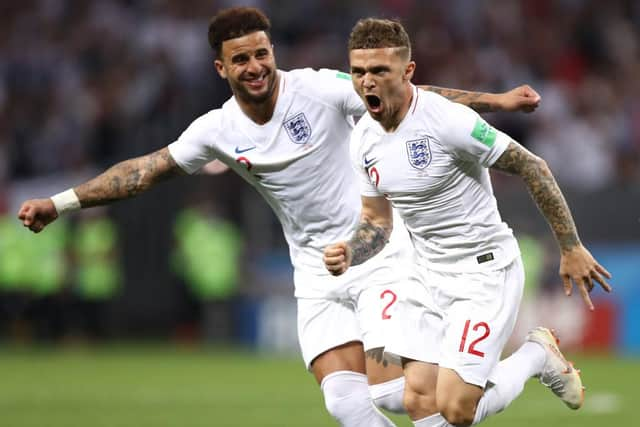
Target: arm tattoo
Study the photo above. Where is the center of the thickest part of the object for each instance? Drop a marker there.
(543, 189)
(127, 179)
(470, 99)
(367, 241)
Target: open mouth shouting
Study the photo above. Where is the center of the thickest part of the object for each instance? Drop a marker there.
(374, 104)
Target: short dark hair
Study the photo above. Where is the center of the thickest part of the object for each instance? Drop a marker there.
(374, 33)
(236, 22)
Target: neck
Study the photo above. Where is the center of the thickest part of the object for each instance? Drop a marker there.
(261, 112)
(392, 122)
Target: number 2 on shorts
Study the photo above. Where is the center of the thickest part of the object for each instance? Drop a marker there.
(394, 297)
(463, 340)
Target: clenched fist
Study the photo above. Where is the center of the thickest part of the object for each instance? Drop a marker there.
(522, 98)
(37, 213)
(337, 258)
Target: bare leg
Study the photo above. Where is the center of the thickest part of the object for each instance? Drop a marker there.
(456, 399)
(420, 388)
(386, 380)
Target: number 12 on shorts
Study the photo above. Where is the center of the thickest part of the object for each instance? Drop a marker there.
(471, 349)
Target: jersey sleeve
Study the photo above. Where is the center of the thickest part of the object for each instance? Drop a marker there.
(467, 135)
(192, 150)
(337, 86)
(367, 187)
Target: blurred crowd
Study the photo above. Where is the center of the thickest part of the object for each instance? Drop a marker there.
(86, 83)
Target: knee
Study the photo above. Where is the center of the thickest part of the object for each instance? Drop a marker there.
(457, 412)
(419, 403)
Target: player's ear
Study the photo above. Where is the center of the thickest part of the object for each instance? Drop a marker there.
(220, 68)
(409, 70)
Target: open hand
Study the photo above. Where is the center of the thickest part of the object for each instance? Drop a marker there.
(578, 266)
(337, 258)
(37, 213)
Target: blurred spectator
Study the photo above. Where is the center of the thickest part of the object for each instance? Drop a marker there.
(84, 84)
(97, 272)
(207, 259)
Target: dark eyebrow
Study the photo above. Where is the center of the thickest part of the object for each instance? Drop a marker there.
(374, 70)
(377, 68)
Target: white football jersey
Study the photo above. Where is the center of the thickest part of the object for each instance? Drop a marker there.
(433, 169)
(298, 161)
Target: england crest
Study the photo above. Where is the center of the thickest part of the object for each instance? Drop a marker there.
(419, 152)
(298, 128)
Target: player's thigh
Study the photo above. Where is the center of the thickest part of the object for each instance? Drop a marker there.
(416, 328)
(376, 307)
(382, 367)
(453, 391)
(479, 319)
(420, 377)
(346, 357)
(329, 336)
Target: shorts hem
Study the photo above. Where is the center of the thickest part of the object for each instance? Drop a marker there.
(468, 378)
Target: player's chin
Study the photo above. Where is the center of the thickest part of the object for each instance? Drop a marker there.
(376, 114)
(259, 95)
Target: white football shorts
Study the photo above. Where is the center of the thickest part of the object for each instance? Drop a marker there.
(359, 312)
(459, 321)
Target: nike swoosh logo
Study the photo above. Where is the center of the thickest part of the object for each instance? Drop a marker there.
(244, 150)
(367, 162)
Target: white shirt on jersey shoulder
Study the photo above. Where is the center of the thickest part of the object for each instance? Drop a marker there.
(433, 169)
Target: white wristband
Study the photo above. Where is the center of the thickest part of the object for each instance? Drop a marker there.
(67, 201)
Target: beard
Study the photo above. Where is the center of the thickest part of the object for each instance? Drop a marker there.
(247, 96)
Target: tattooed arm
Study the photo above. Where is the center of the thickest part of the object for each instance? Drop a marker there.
(522, 98)
(370, 236)
(576, 263)
(126, 179)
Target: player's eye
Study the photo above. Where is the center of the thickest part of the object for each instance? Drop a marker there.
(240, 59)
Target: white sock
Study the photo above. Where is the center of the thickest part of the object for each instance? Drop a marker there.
(347, 398)
(508, 379)
(389, 395)
(435, 420)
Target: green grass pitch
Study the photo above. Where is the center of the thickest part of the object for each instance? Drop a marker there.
(159, 386)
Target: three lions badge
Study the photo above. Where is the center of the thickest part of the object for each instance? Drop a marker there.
(298, 128)
(419, 152)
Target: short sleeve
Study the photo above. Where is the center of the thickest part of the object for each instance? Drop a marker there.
(192, 150)
(365, 180)
(468, 136)
(338, 86)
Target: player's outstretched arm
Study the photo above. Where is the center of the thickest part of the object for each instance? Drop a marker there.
(521, 98)
(371, 235)
(577, 265)
(126, 179)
